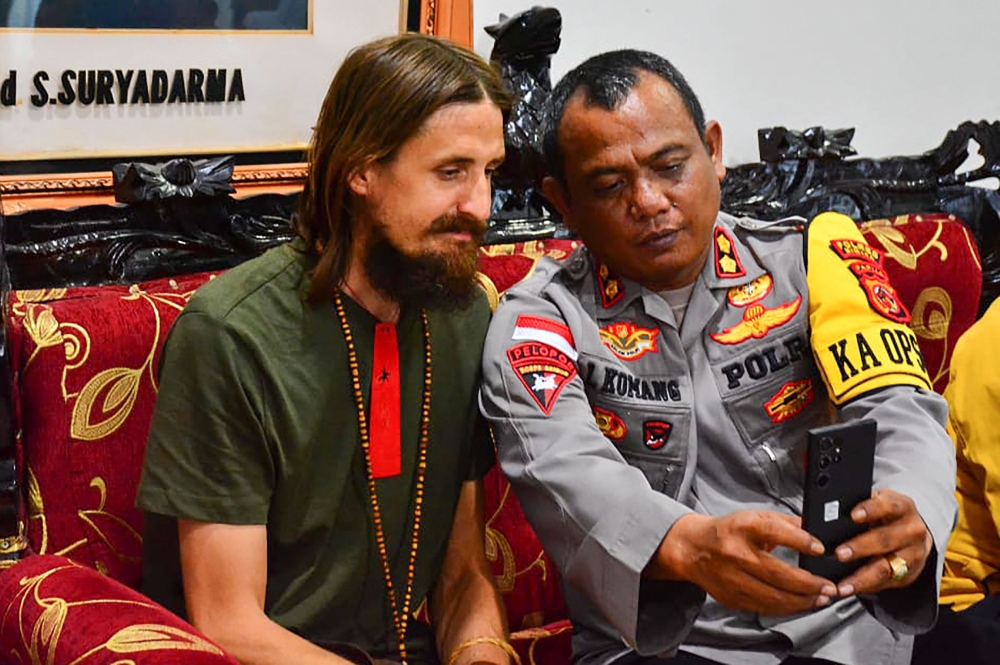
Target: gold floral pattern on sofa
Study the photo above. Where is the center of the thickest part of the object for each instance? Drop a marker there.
(932, 259)
(41, 617)
(85, 364)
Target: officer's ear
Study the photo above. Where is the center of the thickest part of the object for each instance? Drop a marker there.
(559, 198)
(713, 143)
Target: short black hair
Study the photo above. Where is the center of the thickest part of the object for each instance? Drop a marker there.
(606, 81)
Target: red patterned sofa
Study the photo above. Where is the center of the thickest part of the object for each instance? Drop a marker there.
(84, 364)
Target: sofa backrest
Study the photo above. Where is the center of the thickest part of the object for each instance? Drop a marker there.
(84, 362)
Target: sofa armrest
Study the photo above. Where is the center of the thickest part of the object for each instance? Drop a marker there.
(55, 611)
(545, 645)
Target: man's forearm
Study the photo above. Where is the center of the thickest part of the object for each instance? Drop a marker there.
(253, 639)
(465, 608)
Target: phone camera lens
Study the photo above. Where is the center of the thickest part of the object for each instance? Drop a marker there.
(836, 457)
(825, 443)
(824, 461)
(822, 480)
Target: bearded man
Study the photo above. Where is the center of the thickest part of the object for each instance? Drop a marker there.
(314, 462)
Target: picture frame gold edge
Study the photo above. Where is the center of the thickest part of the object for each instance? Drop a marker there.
(22, 193)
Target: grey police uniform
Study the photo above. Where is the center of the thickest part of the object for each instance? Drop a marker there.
(611, 423)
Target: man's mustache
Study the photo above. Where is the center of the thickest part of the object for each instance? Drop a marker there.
(459, 224)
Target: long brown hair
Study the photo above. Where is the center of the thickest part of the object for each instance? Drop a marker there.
(379, 98)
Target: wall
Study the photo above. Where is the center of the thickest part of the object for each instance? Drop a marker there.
(903, 72)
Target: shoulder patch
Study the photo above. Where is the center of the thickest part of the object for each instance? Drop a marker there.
(610, 424)
(611, 288)
(547, 331)
(628, 341)
(858, 329)
(757, 322)
(727, 263)
(741, 296)
(544, 370)
(849, 248)
(790, 400)
(881, 294)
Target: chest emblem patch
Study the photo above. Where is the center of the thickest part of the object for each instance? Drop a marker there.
(757, 322)
(611, 287)
(748, 294)
(790, 400)
(656, 433)
(727, 263)
(610, 424)
(544, 370)
(628, 341)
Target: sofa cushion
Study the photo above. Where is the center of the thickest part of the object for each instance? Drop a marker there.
(84, 362)
(934, 264)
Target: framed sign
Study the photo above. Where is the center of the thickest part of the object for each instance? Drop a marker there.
(141, 78)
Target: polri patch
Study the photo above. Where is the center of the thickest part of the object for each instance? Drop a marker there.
(628, 341)
(727, 263)
(757, 322)
(610, 424)
(748, 294)
(656, 433)
(611, 288)
(544, 370)
(790, 400)
(851, 249)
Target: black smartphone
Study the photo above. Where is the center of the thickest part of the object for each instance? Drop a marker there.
(840, 460)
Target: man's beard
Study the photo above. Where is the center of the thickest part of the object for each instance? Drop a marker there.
(441, 281)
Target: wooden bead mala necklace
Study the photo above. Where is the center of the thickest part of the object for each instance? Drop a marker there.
(400, 616)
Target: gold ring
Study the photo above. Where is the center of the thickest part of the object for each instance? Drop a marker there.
(899, 568)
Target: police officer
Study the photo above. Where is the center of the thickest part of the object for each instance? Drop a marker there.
(651, 396)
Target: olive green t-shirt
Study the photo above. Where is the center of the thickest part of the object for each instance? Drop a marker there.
(256, 423)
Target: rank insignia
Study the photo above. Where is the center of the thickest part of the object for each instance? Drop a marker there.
(727, 263)
(611, 287)
(748, 294)
(850, 249)
(628, 341)
(655, 433)
(544, 370)
(757, 322)
(790, 400)
(610, 424)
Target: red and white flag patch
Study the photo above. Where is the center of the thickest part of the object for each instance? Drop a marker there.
(543, 369)
(539, 329)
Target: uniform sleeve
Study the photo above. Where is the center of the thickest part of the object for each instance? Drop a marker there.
(597, 516)
(207, 457)
(871, 363)
(483, 452)
(973, 395)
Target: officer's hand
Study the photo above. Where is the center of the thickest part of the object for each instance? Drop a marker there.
(897, 530)
(729, 557)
